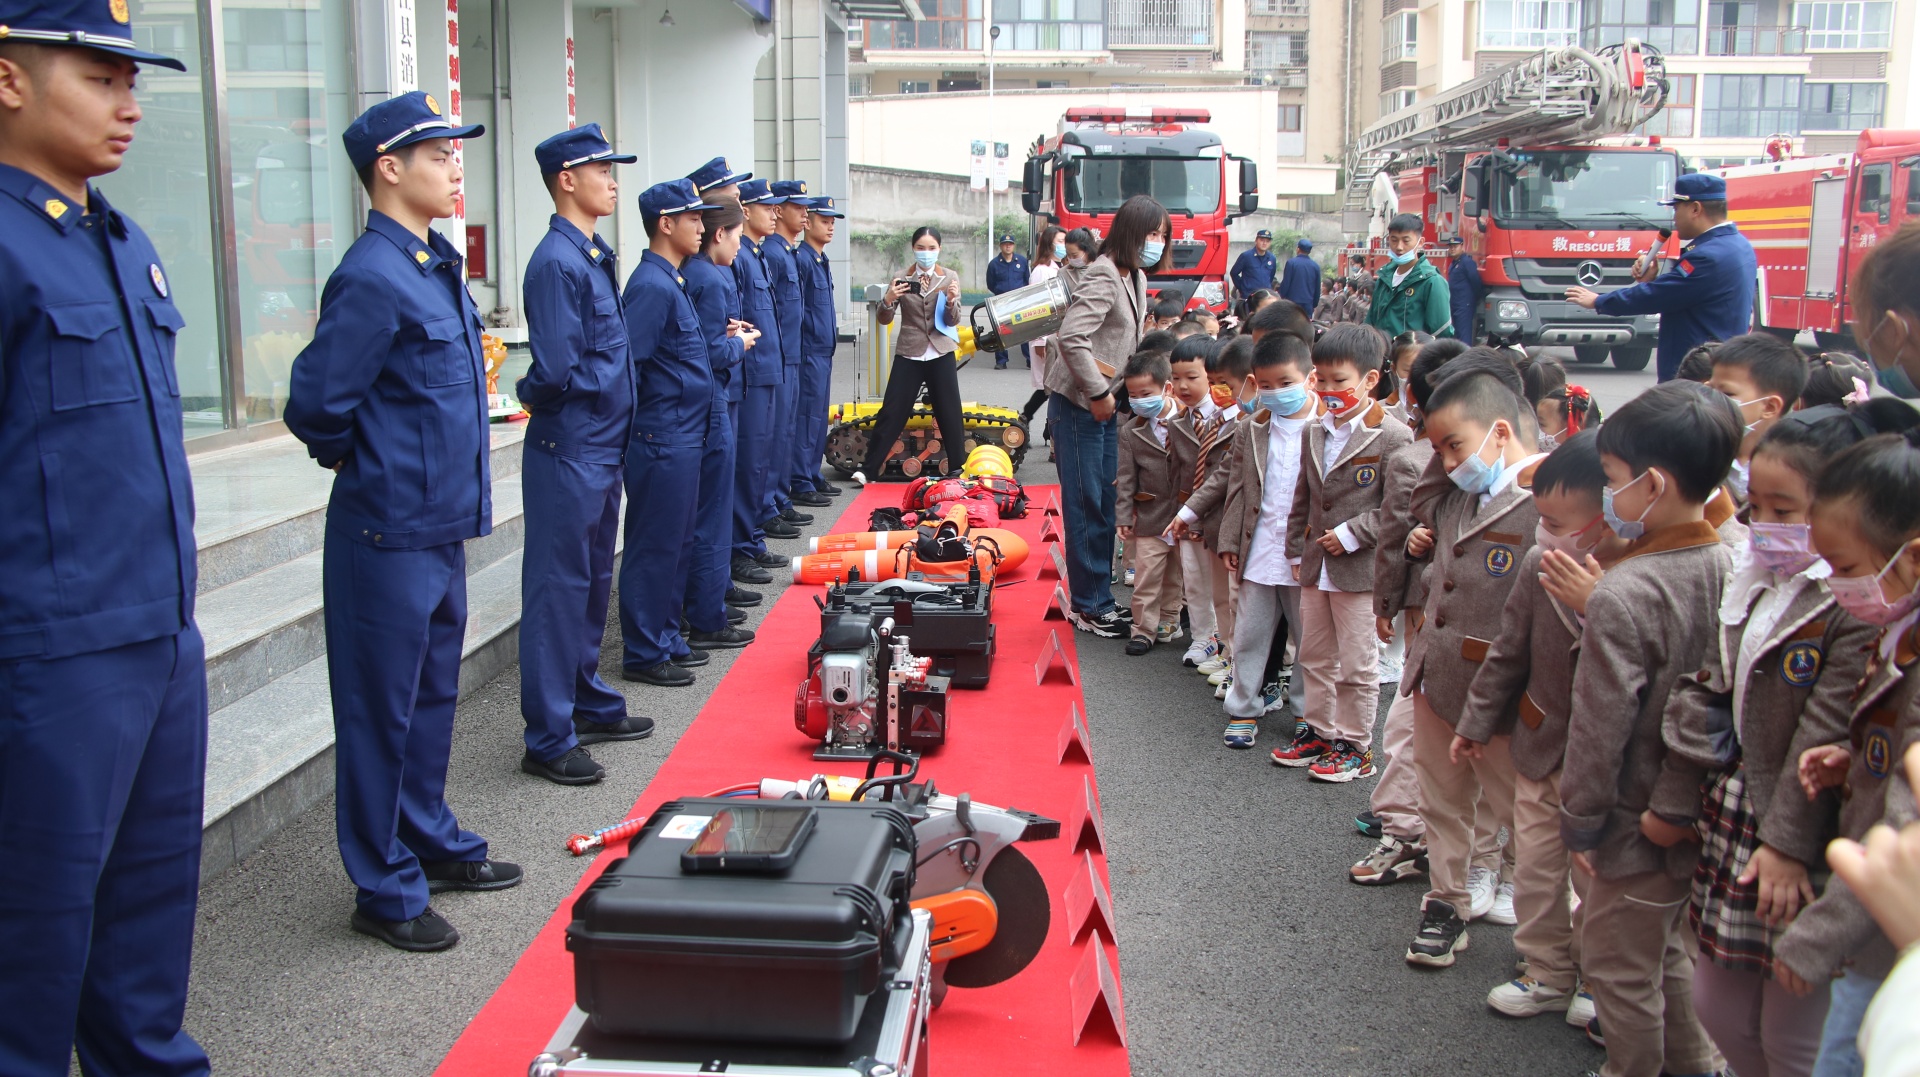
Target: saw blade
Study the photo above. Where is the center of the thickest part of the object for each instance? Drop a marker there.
(1020, 896)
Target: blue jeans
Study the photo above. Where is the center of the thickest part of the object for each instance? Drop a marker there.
(1839, 1040)
(1087, 453)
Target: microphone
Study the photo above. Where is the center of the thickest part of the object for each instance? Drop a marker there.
(1648, 256)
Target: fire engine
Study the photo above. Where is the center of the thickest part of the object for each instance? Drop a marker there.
(1812, 219)
(1106, 155)
(1529, 166)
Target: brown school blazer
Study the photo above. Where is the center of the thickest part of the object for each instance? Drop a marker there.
(1208, 498)
(1246, 484)
(1143, 485)
(1476, 559)
(1836, 929)
(1399, 580)
(1526, 683)
(1799, 696)
(1348, 493)
(1650, 622)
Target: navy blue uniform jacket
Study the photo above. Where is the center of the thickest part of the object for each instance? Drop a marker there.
(663, 331)
(755, 285)
(1707, 294)
(818, 333)
(1252, 271)
(96, 540)
(715, 300)
(580, 386)
(1004, 275)
(783, 272)
(393, 384)
(1300, 282)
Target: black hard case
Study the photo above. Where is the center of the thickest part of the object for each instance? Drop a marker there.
(957, 634)
(783, 957)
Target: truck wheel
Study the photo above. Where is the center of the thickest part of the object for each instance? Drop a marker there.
(1590, 353)
(1631, 358)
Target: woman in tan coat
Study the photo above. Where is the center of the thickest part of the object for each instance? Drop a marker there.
(922, 355)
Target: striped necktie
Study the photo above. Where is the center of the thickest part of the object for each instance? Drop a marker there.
(1209, 436)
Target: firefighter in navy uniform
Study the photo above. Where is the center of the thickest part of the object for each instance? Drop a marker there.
(1707, 294)
(580, 391)
(1008, 272)
(715, 182)
(780, 253)
(819, 332)
(103, 688)
(391, 394)
(1254, 270)
(764, 368)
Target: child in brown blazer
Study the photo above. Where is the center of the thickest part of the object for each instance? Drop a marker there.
(1199, 421)
(1780, 681)
(1476, 497)
(1144, 502)
(1336, 515)
(1230, 389)
(1627, 804)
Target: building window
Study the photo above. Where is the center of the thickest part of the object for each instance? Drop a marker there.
(950, 25)
(1054, 25)
(1394, 100)
(1177, 23)
(916, 86)
(1750, 106)
(859, 85)
(1293, 139)
(1051, 84)
(1290, 119)
(1733, 29)
(1842, 106)
(1272, 51)
(1401, 39)
(1529, 24)
(1676, 119)
(1672, 26)
(1277, 7)
(1846, 24)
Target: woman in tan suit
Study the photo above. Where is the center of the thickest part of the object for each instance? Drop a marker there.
(922, 355)
(1102, 327)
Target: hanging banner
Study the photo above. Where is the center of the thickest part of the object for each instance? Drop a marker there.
(403, 50)
(977, 166)
(455, 229)
(999, 166)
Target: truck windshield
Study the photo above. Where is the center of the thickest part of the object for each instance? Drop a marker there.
(1185, 185)
(1588, 188)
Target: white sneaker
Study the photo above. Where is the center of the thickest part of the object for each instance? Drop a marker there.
(1168, 633)
(1580, 1011)
(1483, 887)
(1527, 997)
(1391, 670)
(859, 478)
(1226, 685)
(1200, 650)
(1221, 675)
(1129, 577)
(1212, 665)
(1502, 911)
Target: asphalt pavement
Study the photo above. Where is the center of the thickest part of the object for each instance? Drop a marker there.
(1243, 949)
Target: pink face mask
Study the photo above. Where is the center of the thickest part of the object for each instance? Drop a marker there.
(1863, 597)
(1573, 543)
(1782, 548)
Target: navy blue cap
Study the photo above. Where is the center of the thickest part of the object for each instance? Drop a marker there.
(396, 122)
(106, 25)
(1697, 187)
(790, 190)
(715, 173)
(759, 193)
(823, 207)
(669, 198)
(1263, 234)
(1304, 243)
(581, 146)
(1006, 237)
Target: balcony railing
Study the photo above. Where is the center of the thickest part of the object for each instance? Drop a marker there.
(1756, 40)
(1282, 78)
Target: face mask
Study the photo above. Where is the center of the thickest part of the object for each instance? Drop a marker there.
(1222, 395)
(1863, 597)
(1077, 260)
(1475, 475)
(1548, 442)
(1781, 548)
(1341, 399)
(1147, 407)
(1572, 543)
(1284, 401)
(1150, 253)
(1737, 480)
(1403, 259)
(1894, 380)
(926, 259)
(1743, 405)
(1059, 251)
(1626, 529)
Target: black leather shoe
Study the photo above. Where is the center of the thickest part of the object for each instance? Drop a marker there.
(745, 571)
(739, 597)
(425, 933)
(471, 875)
(666, 675)
(770, 559)
(574, 767)
(811, 499)
(632, 727)
(736, 615)
(726, 638)
(777, 528)
(691, 660)
(795, 516)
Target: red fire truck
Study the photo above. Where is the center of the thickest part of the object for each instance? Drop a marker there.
(1105, 155)
(1528, 165)
(1811, 220)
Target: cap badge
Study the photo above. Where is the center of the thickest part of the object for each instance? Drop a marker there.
(803, 187)
(55, 208)
(420, 256)
(159, 279)
(118, 9)
(432, 105)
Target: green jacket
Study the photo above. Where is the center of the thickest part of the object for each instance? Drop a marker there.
(1421, 303)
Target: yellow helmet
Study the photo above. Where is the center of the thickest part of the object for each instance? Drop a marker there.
(981, 462)
(994, 451)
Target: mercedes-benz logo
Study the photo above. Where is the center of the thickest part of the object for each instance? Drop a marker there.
(1589, 273)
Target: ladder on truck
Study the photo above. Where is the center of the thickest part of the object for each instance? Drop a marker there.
(1556, 95)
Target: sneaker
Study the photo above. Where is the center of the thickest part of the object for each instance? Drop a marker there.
(859, 478)
(1502, 911)
(777, 528)
(1169, 633)
(1138, 646)
(1483, 886)
(692, 659)
(1391, 670)
(1442, 934)
(811, 499)
(447, 875)
(736, 616)
(574, 767)
(740, 596)
(1593, 1033)
(1224, 673)
(1129, 577)
(746, 570)
(1343, 764)
(795, 516)
(1580, 1010)
(1270, 698)
(1200, 650)
(1214, 663)
(1369, 824)
(1306, 747)
(664, 675)
(1528, 997)
(1241, 733)
(425, 933)
(1391, 861)
(1225, 686)
(1107, 625)
(725, 639)
(632, 727)
(827, 488)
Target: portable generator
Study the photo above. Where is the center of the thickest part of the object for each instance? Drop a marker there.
(866, 691)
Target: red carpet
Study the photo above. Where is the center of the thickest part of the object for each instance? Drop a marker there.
(1003, 748)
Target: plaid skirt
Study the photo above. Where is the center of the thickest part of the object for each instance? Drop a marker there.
(1732, 935)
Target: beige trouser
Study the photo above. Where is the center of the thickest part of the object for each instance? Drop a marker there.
(1544, 936)
(1637, 955)
(1226, 600)
(1450, 800)
(1340, 660)
(1196, 583)
(1154, 571)
(1396, 796)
